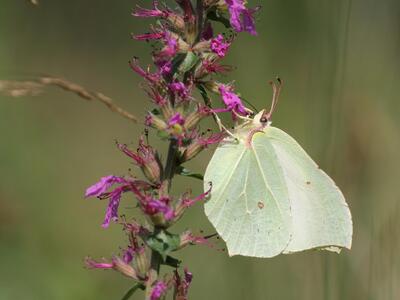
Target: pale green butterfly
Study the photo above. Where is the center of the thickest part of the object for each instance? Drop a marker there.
(269, 197)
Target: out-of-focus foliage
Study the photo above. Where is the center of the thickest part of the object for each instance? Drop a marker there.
(340, 61)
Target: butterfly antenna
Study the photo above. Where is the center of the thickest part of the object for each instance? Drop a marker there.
(276, 90)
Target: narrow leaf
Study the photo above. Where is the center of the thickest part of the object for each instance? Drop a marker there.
(189, 62)
(131, 291)
(185, 172)
(163, 242)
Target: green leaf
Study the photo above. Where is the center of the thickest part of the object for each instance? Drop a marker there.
(163, 135)
(185, 172)
(214, 16)
(189, 62)
(177, 61)
(131, 291)
(156, 111)
(172, 262)
(163, 242)
(204, 94)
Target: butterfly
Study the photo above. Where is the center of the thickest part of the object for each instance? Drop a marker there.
(269, 197)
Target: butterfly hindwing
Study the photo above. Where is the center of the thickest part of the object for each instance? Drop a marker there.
(320, 215)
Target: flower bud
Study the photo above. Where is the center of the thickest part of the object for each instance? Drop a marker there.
(146, 158)
(124, 268)
(194, 118)
(200, 143)
(212, 86)
(155, 122)
(176, 21)
(141, 261)
(202, 46)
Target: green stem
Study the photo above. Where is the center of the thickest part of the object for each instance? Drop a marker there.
(155, 261)
(130, 293)
(169, 172)
(172, 162)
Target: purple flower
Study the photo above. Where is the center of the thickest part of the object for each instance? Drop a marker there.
(219, 46)
(149, 36)
(128, 255)
(188, 276)
(180, 89)
(241, 17)
(100, 189)
(176, 119)
(116, 263)
(158, 99)
(182, 284)
(209, 66)
(146, 158)
(102, 186)
(232, 101)
(152, 78)
(113, 205)
(164, 67)
(208, 32)
(200, 142)
(154, 206)
(92, 264)
(158, 290)
(187, 201)
(171, 46)
(147, 13)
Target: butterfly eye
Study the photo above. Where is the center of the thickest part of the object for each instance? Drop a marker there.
(264, 119)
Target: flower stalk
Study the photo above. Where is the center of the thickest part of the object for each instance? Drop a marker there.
(187, 58)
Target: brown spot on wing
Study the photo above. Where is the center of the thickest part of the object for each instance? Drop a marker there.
(260, 205)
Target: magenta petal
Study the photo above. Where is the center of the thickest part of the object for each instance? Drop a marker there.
(128, 255)
(219, 46)
(176, 119)
(102, 186)
(156, 206)
(231, 100)
(248, 22)
(112, 209)
(158, 290)
(241, 18)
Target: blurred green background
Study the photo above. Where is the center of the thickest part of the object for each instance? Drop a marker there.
(341, 64)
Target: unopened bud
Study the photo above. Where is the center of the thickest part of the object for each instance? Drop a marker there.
(202, 46)
(167, 110)
(152, 170)
(141, 261)
(176, 21)
(192, 150)
(194, 118)
(155, 122)
(212, 86)
(124, 268)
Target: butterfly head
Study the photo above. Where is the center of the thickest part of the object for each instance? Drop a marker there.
(261, 120)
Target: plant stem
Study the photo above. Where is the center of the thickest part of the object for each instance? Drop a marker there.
(169, 172)
(155, 261)
(172, 162)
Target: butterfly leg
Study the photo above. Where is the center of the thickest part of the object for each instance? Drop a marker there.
(242, 117)
(222, 127)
